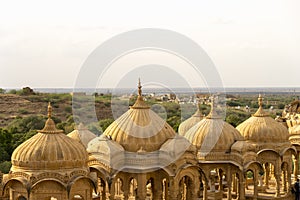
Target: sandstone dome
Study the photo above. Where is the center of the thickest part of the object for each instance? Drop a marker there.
(190, 122)
(140, 129)
(213, 134)
(82, 135)
(49, 149)
(261, 128)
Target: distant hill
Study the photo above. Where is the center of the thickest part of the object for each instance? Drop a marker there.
(14, 105)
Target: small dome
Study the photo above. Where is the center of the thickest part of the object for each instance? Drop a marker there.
(49, 149)
(82, 134)
(190, 122)
(213, 134)
(140, 128)
(106, 151)
(261, 128)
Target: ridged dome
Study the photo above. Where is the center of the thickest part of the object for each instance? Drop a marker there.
(49, 149)
(261, 128)
(190, 122)
(140, 128)
(213, 134)
(82, 134)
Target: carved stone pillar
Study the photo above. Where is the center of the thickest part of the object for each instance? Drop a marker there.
(267, 174)
(157, 189)
(277, 178)
(220, 175)
(255, 183)
(141, 187)
(229, 183)
(205, 190)
(111, 190)
(242, 187)
(126, 188)
(103, 192)
(296, 165)
(173, 189)
(289, 179)
(285, 182)
(234, 184)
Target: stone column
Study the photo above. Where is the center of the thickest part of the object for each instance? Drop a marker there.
(234, 186)
(166, 189)
(267, 174)
(242, 187)
(296, 165)
(141, 187)
(157, 189)
(205, 190)
(285, 179)
(289, 179)
(126, 188)
(229, 183)
(173, 189)
(255, 183)
(220, 175)
(277, 178)
(111, 190)
(103, 192)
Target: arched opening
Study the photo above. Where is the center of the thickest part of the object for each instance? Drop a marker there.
(186, 188)
(215, 184)
(101, 188)
(119, 188)
(150, 188)
(235, 186)
(286, 178)
(132, 188)
(15, 188)
(250, 182)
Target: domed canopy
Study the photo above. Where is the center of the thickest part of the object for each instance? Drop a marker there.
(261, 128)
(140, 128)
(49, 149)
(213, 134)
(82, 134)
(190, 122)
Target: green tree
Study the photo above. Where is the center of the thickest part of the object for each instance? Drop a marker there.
(5, 166)
(104, 123)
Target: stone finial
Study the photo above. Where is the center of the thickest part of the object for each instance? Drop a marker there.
(260, 100)
(139, 88)
(49, 110)
(260, 112)
(213, 113)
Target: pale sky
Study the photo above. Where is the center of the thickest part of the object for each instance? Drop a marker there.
(253, 43)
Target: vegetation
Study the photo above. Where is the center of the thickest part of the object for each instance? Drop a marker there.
(24, 118)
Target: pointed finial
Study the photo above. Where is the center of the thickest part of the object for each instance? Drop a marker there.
(213, 113)
(260, 112)
(139, 88)
(49, 110)
(260, 100)
(50, 124)
(140, 101)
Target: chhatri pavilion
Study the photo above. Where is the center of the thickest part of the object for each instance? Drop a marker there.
(139, 156)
